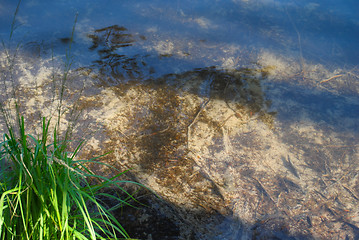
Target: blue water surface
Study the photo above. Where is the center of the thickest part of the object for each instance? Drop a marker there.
(322, 31)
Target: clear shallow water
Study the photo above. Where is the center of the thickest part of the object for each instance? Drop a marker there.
(243, 115)
(321, 32)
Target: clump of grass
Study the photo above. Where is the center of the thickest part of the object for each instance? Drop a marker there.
(45, 193)
(45, 190)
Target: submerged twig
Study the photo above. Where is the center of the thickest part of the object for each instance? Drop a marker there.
(151, 134)
(263, 190)
(195, 118)
(327, 80)
(350, 191)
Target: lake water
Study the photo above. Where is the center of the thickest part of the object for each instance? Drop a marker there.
(241, 114)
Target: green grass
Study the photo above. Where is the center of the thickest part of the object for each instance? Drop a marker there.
(45, 190)
(45, 193)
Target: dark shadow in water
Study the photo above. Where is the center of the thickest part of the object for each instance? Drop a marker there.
(320, 104)
(153, 218)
